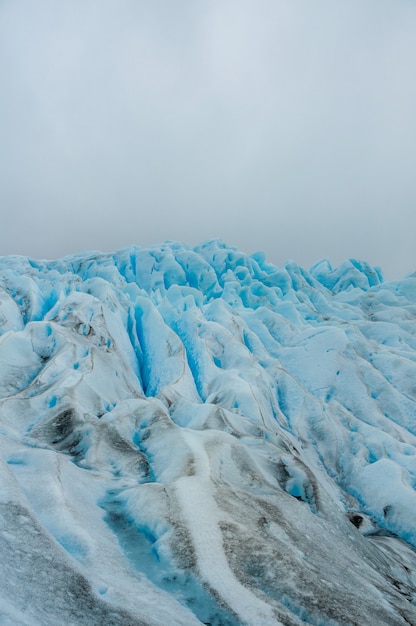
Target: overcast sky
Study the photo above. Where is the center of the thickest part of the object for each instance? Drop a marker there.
(287, 126)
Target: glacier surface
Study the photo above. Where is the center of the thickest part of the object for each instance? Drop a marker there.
(196, 436)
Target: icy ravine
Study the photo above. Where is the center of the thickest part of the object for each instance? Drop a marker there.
(197, 436)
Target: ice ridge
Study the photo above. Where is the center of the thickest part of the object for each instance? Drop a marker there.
(194, 435)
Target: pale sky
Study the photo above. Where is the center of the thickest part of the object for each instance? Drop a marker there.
(287, 126)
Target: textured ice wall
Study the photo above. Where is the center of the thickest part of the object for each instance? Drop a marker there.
(197, 436)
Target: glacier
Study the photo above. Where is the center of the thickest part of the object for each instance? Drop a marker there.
(196, 436)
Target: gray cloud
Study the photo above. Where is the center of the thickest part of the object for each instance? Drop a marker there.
(275, 125)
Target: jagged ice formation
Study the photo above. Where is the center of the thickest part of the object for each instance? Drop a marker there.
(196, 436)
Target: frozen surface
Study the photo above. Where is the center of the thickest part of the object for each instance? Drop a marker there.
(196, 436)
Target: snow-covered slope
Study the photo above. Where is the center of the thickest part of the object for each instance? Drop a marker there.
(196, 436)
